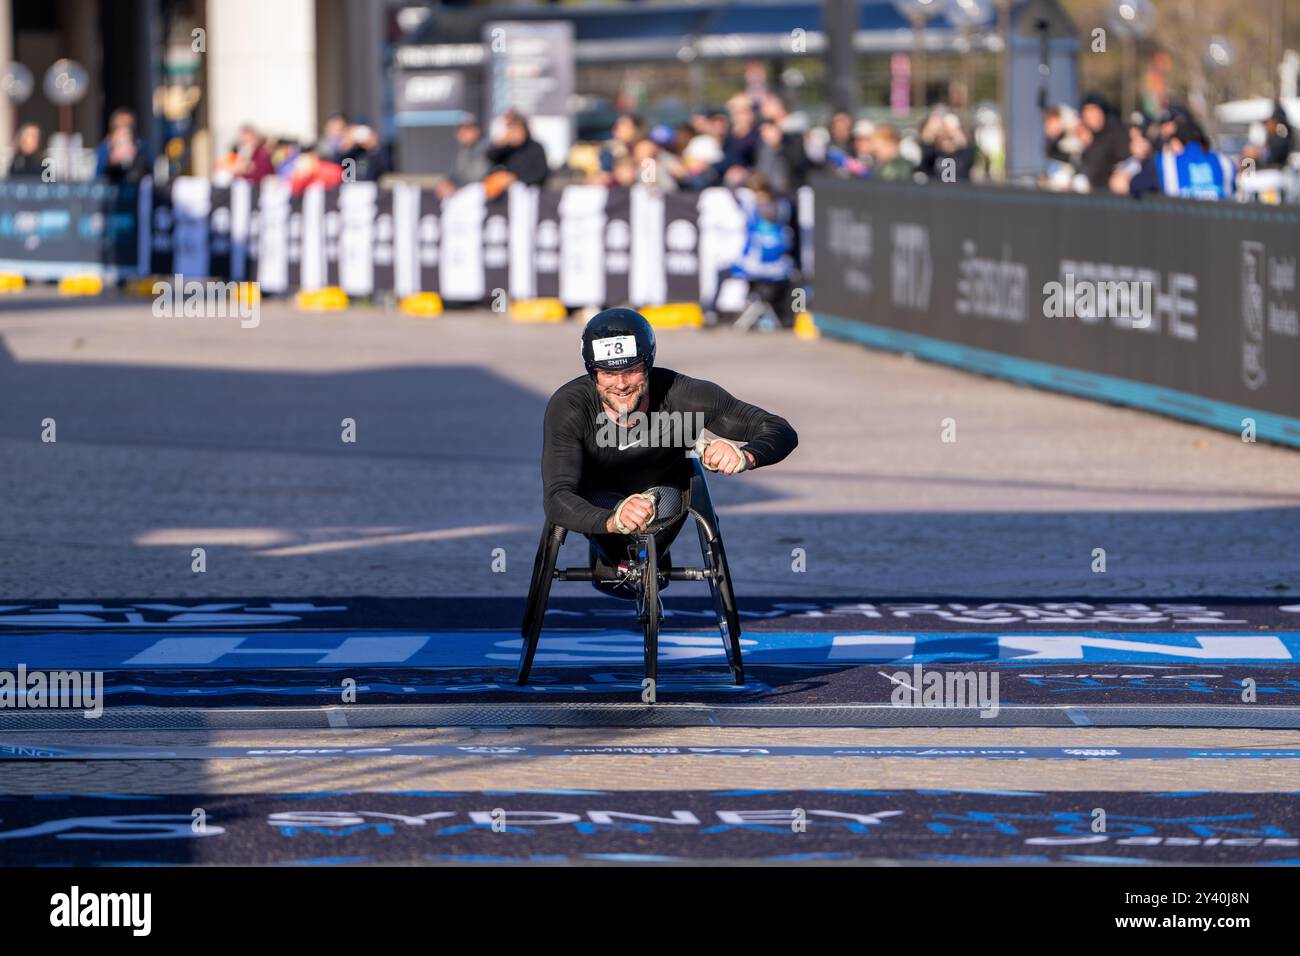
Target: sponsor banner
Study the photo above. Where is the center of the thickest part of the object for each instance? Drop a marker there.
(220, 231)
(386, 243)
(559, 648)
(358, 239)
(617, 242)
(191, 204)
(462, 259)
(297, 225)
(36, 751)
(496, 248)
(160, 231)
(49, 230)
(429, 241)
(680, 255)
(1014, 827)
(582, 260)
(269, 236)
(548, 250)
(1187, 308)
(585, 245)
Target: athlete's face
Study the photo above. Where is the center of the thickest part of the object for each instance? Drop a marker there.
(622, 391)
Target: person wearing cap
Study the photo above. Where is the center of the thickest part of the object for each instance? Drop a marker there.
(365, 157)
(947, 153)
(471, 162)
(517, 157)
(663, 136)
(1106, 138)
(628, 130)
(1279, 141)
(1166, 122)
(651, 168)
(698, 167)
(627, 426)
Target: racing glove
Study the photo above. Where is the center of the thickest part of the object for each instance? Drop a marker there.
(618, 512)
(703, 443)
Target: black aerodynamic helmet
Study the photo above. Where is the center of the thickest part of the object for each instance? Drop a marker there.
(617, 339)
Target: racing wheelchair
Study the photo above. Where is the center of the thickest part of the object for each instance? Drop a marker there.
(644, 575)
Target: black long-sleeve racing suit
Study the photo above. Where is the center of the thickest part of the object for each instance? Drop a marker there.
(580, 465)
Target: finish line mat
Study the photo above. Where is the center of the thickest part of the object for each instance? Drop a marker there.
(1100, 828)
(1241, 657)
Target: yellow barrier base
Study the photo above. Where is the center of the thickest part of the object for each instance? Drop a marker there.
(86, 284)
(538, 310)
(12, 282)
(144, 287)
(250, 294)
(674, 315)
(804, 327)
(422, 304)
(328, 299)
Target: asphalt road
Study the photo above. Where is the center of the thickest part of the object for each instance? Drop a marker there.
(181, 433)
(174, 434)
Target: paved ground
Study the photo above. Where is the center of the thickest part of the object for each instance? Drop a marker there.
(182, 433)
(175, 434)
(653, 773)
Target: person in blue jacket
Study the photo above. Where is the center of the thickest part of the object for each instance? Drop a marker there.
(1186, 167)
(768, 254)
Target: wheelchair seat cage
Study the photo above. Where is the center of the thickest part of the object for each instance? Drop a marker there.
(649, 609)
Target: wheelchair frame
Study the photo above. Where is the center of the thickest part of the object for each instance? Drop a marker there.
(715, 571)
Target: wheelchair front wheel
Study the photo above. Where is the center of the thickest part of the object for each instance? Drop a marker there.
(649, 606)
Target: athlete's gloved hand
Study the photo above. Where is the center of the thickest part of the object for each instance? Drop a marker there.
(634, 513)
(722, 454)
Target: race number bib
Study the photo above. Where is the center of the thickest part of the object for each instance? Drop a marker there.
(615, 347)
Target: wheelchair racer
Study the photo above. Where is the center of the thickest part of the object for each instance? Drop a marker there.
(602, 477)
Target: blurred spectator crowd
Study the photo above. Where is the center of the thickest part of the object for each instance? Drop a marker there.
(347, 151)
(752, 139)
(752, 136)
(1094, 150)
